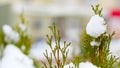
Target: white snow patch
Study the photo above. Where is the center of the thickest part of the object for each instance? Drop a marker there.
(94, 43)
(14, 58)
(7, 29)
(96, 26)
(10, 34)
(22, 27)
(87, 65)
(71, 65)
(115, 47)
(81, 65)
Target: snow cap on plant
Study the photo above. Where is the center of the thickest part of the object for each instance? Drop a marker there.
(96, 26)
(10, 34)
(96, 33)
(87, 65)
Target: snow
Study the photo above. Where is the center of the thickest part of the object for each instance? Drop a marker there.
(71, 65)
(96, 26)
(81, 65)
(87, 65)
(94, 43)
(39, 48)
(22, 27)
(14, 58)
(10, 34)
(7, 29)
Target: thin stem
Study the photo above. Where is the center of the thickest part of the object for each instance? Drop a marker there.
(99, 54)
(57, 50)
(58, 63)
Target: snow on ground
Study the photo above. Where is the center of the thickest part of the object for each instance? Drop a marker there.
(14, 58)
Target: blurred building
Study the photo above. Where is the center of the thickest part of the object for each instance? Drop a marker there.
(70, 15)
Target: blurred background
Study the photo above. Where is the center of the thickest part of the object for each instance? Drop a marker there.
(71, 16)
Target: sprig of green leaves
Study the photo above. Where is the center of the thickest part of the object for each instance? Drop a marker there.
(57, 50)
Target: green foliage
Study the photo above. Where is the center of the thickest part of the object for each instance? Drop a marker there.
(1, 42)
(98, 55)
(97, 10)
(56, 51)
(25, 41)
(86, 49)
(1, 37)
(76, 61)
(36, 64)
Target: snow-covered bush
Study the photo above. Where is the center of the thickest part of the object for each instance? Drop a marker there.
(95, 41)
(17, 35)
(14, 58)
(15, 44)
